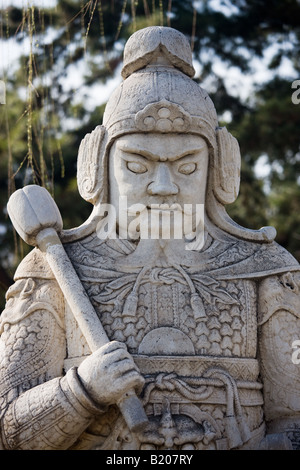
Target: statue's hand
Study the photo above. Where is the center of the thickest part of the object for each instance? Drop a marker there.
(109, 373)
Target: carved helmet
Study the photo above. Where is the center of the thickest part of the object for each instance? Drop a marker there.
(158, 94)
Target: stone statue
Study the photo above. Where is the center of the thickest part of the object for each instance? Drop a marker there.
(200, 313)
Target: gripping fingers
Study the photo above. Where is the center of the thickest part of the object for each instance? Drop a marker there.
(112, 346)
(129, 380)
(121, 367)
(126, 371)
(133, 380)
(116, 356)
(110, 372)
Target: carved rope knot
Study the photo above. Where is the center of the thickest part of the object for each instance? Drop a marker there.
(164, 382)
(163, 116)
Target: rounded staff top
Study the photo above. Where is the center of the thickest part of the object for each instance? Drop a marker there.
(146, 43)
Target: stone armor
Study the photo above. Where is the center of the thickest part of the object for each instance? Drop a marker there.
(206, 395)
(211, 330)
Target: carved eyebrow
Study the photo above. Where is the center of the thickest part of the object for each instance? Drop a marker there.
(152, 156)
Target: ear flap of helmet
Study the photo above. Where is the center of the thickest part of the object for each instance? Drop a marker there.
(227, 167)
(89, 164)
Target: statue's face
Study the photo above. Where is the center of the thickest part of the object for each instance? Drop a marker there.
(165, 172)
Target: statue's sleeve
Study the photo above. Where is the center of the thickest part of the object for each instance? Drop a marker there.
(279, 328)
(41, 408)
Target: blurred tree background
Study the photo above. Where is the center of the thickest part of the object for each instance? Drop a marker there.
(60, 60)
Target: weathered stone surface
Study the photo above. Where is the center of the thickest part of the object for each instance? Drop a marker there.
(196, 314)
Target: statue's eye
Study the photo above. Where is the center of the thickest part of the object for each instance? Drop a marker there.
(136, 167)
(187, 168)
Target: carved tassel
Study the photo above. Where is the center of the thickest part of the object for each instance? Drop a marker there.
(232, 432)
(130, 305)
(244, 429)
(131, 302)
(197, 306)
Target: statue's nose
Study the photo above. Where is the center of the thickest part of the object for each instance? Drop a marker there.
(162, 184)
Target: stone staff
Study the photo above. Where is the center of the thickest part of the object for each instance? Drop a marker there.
(37, 220)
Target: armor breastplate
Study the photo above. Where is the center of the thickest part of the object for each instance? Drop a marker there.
(200, 367)
(227, 329)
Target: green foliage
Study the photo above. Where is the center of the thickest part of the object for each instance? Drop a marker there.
(47, 114)
(285, 215)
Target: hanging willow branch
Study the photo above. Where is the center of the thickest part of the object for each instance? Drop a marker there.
(29, 90)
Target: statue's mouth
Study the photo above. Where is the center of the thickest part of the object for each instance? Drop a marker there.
(165, 207)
